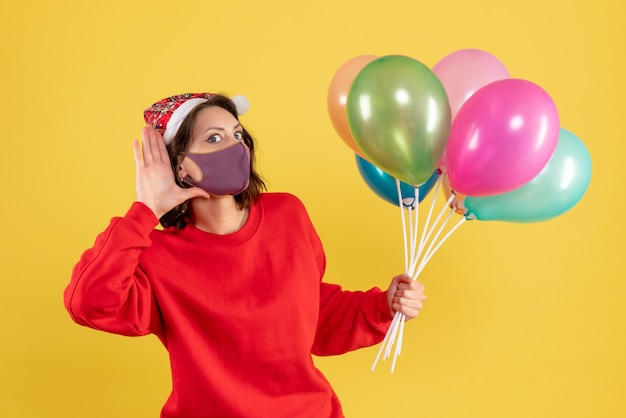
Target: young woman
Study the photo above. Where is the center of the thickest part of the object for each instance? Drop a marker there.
(232, 283)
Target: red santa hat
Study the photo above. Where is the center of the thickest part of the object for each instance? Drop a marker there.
(166, 115)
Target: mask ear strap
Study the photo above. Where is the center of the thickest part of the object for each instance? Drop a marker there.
(179, 169)
(192, 170)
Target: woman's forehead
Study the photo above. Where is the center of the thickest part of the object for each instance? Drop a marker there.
(215, 115)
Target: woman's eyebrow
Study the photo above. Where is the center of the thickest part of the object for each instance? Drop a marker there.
(218, 128)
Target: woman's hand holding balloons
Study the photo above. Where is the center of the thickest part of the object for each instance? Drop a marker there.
(405, 296)
(155, 186)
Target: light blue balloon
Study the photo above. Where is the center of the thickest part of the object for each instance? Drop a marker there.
(384, 185)
(555, 190)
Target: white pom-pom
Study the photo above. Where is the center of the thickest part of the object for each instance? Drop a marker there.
(242, 104)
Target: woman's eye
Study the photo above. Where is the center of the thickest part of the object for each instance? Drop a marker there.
(238, 135)
(213, 139)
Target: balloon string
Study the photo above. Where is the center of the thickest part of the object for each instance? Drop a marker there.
(392, 338)
(399, 343)
(396, 328)
(414, 228)
(393, 325)
(430, 231)
(420, 248)
(416, 192)
(414, 260)
(389, 339)
(406, 253)
(413, 216)
(430, 212)
(432, 242)
(411, 242)
(429, 255)
(425, 261)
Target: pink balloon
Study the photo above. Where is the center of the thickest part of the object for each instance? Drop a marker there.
(502, 137)
(465, 71)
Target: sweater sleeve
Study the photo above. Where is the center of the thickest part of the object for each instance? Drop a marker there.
(108, 290)
(350, 319)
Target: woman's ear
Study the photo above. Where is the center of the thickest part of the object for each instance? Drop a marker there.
(188, 167)
(180, 173)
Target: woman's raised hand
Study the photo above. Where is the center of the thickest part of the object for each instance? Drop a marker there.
(156, 187)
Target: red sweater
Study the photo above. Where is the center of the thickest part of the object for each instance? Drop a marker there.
(239, 314)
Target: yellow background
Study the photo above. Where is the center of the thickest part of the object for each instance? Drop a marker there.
(522, 320)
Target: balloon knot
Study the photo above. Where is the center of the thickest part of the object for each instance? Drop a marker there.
(408, 202)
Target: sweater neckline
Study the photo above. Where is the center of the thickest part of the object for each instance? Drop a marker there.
(238, 237)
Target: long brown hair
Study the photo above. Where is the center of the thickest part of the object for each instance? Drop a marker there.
(177, 217)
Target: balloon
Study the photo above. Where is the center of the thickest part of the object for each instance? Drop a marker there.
(465, 71)
(385, 187)
(502, 137)
(338, 95)
(555, 190)
(399, 116)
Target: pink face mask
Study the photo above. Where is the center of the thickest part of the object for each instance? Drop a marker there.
(224, 172)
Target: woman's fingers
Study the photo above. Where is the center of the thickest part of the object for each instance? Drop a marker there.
(192, 192)
(411, 301)
(161, 148)
(409, 297)
(154, 149)
(148, 143)
(406, 283)
(137, 153)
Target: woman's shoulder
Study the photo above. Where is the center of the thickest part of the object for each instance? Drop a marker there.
(280, 199)
(283, 206)
(280, 209)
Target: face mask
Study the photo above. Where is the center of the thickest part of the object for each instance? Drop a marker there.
(224, 172)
